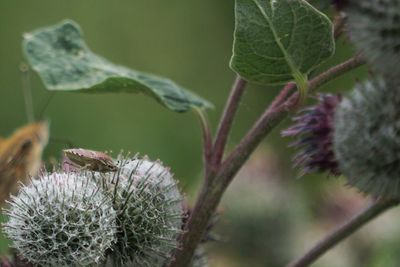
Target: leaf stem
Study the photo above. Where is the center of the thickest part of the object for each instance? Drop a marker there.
(302, 84)
(225, 124)
(213, 189)
(207, 138)
(343, 231)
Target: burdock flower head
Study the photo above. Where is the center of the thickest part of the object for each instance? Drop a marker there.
(367, 138)
(313, 129)
(149, 207)
(374, 28)
(61, 220)
(126, 212)
(339, 4)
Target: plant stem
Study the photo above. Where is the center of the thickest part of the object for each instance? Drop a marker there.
(302, 85)
(338, 25)
(206, 204)
(343, 231)
(225, 124)
(214, 187)
(336, 71)
(322, 78)
(207, 138)
(283, 95)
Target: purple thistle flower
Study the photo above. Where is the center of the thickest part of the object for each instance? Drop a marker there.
(314, 131)
(340, 4)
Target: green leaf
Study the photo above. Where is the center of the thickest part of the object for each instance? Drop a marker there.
(276, 41)
(64, 62)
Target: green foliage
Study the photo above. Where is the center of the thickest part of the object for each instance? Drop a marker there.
(278, 41)
(64, 62)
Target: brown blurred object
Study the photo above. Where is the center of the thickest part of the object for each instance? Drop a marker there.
(13, 261)
(337, 204)
(21, 157)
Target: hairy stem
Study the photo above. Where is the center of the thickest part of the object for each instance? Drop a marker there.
(214, 186)
(336, 71)
(226, 120)
(343, 231)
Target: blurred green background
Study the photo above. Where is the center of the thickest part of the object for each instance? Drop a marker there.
(189, 42)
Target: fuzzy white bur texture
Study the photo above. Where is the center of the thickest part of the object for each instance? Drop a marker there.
(149, 205)
(367, 138)
(131, 217)
(61, 220)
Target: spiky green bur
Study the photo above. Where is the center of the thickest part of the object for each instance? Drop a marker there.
(61, 220)
(374, 27)
(149, 205)
(367, 138)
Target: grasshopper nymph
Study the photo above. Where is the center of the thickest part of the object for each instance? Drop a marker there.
(79, 158)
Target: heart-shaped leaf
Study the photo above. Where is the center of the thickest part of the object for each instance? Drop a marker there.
(276, 41)
(64, 62)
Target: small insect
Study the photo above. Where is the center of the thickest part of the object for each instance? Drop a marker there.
(79, 158)
(21, 156)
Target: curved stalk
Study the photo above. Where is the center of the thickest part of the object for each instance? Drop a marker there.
(343, 231)
(207, 138)
(225, 124)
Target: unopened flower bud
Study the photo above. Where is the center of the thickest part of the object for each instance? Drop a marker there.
(367, 138)
(61, 220)
(149, 207)
(374, 27)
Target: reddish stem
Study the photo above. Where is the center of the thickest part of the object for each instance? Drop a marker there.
(343, 231)
(283, 95)
(213, 189)
(225, 124)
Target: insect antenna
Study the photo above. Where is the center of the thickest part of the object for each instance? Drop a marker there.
(64, 141)
(46, 104)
